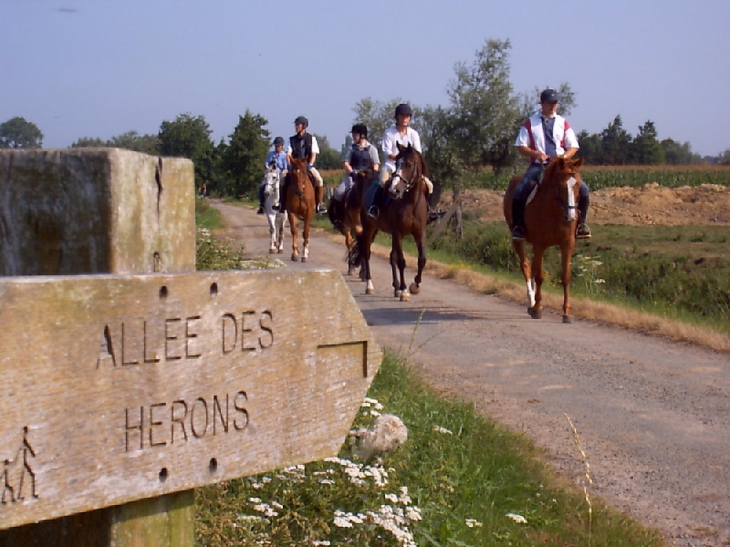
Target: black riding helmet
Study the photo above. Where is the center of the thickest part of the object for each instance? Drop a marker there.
(301, 120)
(360, 129)
(278, 141)
(403, 109)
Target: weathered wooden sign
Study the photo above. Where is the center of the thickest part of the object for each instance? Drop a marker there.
(116, 388)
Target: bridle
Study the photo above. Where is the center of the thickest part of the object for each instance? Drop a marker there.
(569, 207)
(410, 182)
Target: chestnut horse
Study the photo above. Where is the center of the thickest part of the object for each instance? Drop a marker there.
(346, 213)
(550, 219)
(299, 204)
(405, 213)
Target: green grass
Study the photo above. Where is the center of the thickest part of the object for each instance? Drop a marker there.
(459, 480)
(679, 272)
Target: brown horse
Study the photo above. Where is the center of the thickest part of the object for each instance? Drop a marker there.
(550, 219)
(345, 214)
(405, 213)
(299, 203)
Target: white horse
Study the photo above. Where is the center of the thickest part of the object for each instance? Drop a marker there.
(275, 219)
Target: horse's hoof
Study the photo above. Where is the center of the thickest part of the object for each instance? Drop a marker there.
(294, 258)
(304, 259)
(567, 319)
(535, 314)
(414, 288)
(281, 251)
(272, 251)
(405, 296)
(397, 293)
(368, 290)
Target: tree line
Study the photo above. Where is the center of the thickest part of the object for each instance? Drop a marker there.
(474, 131)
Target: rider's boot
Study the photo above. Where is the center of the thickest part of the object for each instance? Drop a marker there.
(518, 220)
(374, 209)
(319, 198)
(282, 197)
(583, 231)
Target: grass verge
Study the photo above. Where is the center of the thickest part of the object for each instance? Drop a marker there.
(459, 480)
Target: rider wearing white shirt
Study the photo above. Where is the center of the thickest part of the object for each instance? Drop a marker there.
(398, 133)
(543, 136)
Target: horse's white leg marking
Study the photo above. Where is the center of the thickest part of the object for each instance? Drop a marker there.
(531, 293)
(370, 289)
(571, 199)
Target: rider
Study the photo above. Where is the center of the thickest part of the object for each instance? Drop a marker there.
(278, 158)
(399, 132)
(304, 145)
(543, 136)
(361, 155)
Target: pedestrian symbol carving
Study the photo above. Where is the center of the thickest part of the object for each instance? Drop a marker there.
(19, 479)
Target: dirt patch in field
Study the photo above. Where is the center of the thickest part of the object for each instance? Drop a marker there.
(708, 204)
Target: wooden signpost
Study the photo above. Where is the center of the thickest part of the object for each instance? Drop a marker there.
(117, 388)
(123, 392)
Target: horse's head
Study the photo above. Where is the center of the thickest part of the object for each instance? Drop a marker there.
(409, 169)
(562, 175)
(298, 175)
(271, 179)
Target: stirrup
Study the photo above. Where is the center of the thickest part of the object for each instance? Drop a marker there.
(320, 209)
(373, 212)
(518, 233)
(582, 231)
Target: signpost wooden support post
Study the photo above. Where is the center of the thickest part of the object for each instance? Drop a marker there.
(124, 391)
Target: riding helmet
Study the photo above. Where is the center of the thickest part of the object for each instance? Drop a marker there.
(549, 96)
(403, 109)
(360, 129)
(301, 120)
(278, 141)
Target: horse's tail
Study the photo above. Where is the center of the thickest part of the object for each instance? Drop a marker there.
(356, 256)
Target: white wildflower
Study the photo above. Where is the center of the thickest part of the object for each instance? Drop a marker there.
(439, 429)
(471, 523)
(519, 519)
(413, 513)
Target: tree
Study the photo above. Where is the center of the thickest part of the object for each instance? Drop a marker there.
(19, 133)
(616, 143)
(131, 140)
(328, 157)
(678, 153)
(724, 157)
(379, 115)
(189, 137)
(89, 142)
(591, 149)
(646, 149)
(486, 113)
(242, 160)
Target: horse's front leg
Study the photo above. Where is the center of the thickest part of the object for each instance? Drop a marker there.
(537, 271)
(349, 243)
(566, 255)
(294, 236)
(305, 238)
(398, 265)
(525, 267)
(415, 287)
(280, 233)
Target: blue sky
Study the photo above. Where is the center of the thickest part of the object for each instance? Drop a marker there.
(100, 68)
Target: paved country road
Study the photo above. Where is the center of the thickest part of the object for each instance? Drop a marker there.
(653, 415)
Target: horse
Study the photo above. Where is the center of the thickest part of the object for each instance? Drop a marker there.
(345, 214)
(299, 204)
(274, 218)
(550, 219)
(405, 213)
